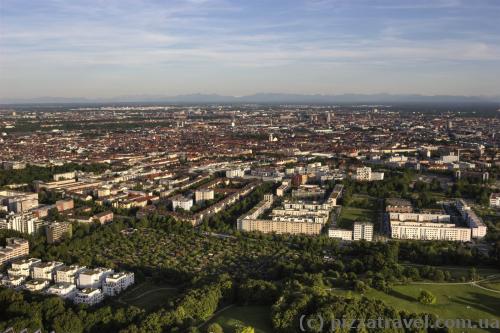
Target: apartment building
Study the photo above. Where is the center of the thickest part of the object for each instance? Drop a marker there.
(23, 222)
(366, 174)
(36, 285)
(363, 231)
(22, 267)
(279, 227)
(235, 173)
(45, 270)
(342, 234)
(180, 201)
(308, 192)
(13, 281)
(429, 231)
(203, 194)
(478, 228)
(64, 205)
(93, 278)
(335, 195)
(88, 296)
(396, 205)
(56, 231)
(64, 290)
(15, 248)
(495, 200)
(116, 283)
(68, 274)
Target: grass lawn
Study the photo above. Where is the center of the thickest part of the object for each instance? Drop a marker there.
(453, 301)
(349, 215)
(259, 317)
(148, 295)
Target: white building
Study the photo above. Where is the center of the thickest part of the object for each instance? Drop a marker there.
(45, 270)
(36, 285)
(68, 274)
(116, 283)
(89, 296)
(366, 174)
(342, 234)
(203, 194)
(429, 231)
(93, 278)
(478, 228)
(22, 267)
(180, 201)
(363, 230)
(13, 281)
(495, 200)
(23, 222)
(235, 173)
(64, 290)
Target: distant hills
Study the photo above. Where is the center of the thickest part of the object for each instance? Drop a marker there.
(264, 98)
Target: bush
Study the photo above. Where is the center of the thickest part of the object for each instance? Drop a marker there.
(214, 328)
(426, 297)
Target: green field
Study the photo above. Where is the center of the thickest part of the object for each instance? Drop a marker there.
(148, 295)
(349, 215)
(458, 301)
(259, 317)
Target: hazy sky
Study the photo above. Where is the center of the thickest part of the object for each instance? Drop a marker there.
(105, 48)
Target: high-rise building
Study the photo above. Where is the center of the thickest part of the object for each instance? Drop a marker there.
(57, 231)
(15, 248)
(363, 231)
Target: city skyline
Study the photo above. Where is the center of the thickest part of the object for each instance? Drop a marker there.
(110, 49)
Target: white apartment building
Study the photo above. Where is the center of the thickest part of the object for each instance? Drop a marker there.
(89, 296)
(429, 231)
(68, 274)
(116, 283)
(45, 270)
(363, 231)
(13, 281)
(203, 195)
(419, 217)
(64, 290)
(36, 285)
(478, 228)
(22, 267)
(93, 278)
(23, 222)
(366, 174)
(235, 173)
(180, 201)
(342, 234)
(495, 200)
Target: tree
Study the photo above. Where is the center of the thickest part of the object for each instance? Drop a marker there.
(214, 328)
(426, 297)
(247, 329)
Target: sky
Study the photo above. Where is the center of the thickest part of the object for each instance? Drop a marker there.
(111, 48)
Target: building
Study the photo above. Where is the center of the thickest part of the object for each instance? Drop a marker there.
(396, 205)
(64, 290)
(180, 201)
(478, 228)
(93, 278)
(57, 231)
(13, 281)
(45, 270)
(68, 274)
(308, 192)
(15, 248)
(22, 267)
(36, 285)
(299, 179)
(116, 283)
(495, 200)
(64, 205)
(89, 296)
(366, 174)
(335, 195)
(203, 195)
(363, 231)
(235, 173)
(23, 222)
(429, 231)
(342, 234)
(104, 217)
(64, 176)
(18, 202)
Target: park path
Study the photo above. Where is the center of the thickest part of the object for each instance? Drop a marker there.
(472, 283)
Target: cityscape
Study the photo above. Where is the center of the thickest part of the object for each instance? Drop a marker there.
(214, 205)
